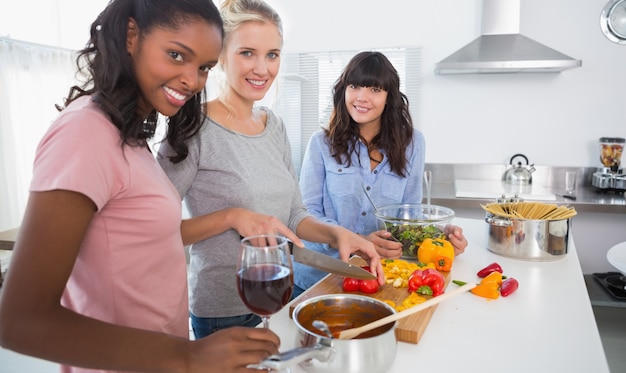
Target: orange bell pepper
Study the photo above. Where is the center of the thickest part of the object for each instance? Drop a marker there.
(492, 277)
(488, 286)
(488, 290)
(443, 263)
(430, 249)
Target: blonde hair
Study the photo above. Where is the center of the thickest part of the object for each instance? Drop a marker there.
(236, 13)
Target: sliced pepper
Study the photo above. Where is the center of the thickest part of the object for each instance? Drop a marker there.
(364, 286)
(495, 277)
(488, 289)
(350, 284)
(397, 271)
(493, 267)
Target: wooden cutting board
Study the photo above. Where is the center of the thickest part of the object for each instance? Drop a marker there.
(410, 329)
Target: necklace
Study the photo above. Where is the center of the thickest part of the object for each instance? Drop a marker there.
(374, 160)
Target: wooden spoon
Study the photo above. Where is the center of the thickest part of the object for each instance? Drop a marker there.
(351, 333)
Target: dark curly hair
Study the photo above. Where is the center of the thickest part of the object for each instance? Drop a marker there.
(371, 69)
(107, 68)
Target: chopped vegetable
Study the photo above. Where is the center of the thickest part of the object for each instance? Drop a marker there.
(487, 290)
(397, 271)
(368, 286)
(351, 284)
(493, 285)
(411, 300)
(492, 277)
(364, 286)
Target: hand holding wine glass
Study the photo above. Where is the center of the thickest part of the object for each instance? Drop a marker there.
(265, 274)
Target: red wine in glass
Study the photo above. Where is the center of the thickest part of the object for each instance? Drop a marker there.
(265, 288)
(265, 275)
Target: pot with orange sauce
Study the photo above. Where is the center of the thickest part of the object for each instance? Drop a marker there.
(372, 351)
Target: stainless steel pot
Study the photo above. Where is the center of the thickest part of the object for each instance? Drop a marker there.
(373, 351)
(534, 240)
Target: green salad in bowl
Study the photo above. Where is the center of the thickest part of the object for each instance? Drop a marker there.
(411, 224)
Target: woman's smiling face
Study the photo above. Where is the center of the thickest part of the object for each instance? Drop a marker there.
(365, 104)
(172, 65)
(251, 59)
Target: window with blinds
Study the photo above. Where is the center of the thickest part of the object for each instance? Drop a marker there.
(303, 93)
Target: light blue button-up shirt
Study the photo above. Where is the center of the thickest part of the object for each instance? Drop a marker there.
(335, 193)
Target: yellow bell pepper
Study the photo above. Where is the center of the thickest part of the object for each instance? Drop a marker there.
(431, 249)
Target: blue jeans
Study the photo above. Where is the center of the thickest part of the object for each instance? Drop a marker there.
(203, 326)
(297, 290)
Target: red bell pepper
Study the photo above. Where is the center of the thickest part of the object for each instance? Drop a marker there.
(508, 286)
(493, 267)
(426, 282)
(415, 280)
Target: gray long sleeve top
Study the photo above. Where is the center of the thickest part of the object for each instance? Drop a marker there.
(227, 169)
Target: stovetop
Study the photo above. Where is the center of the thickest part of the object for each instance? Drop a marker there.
(613, 282)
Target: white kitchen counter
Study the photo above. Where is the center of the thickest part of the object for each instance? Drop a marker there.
(546, 326)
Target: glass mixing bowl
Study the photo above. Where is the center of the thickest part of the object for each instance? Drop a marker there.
(413, 223)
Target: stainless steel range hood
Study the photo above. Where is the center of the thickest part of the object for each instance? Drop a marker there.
(502, 49)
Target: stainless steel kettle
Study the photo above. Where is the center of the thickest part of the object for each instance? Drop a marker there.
(519, 174)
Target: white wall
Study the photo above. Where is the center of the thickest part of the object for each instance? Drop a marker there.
(555, 119)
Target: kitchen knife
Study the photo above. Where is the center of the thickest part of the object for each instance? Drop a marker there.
(568, 196)
(329, 264)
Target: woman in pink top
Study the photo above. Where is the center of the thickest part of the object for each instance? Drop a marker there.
(98, 275)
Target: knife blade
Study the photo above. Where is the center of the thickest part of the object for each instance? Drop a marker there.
(329, 264)
(568, 196)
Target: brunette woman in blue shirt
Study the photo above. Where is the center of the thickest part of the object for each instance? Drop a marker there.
(370, 145)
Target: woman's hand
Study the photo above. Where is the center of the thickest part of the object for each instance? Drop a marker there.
(456, 238)
(385, 247)
(249, 223)
(350, 243)
(232, 349)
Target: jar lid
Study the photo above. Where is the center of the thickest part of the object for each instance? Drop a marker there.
(617, 140)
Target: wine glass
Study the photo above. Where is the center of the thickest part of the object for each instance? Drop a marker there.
(265, 274)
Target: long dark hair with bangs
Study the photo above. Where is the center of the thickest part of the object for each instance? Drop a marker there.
(109, 77)
(371, 69)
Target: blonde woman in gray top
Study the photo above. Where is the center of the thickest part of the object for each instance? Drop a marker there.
(239, 173)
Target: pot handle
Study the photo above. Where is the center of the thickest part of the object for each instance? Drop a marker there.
(297, 355)
(498, 221)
